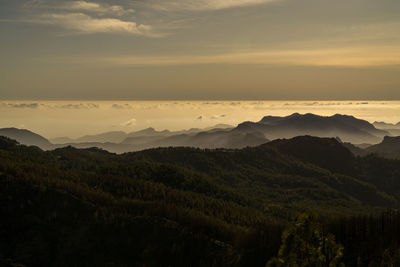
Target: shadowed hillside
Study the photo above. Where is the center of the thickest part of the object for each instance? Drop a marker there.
(162, 205)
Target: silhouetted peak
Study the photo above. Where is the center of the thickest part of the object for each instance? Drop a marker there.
(294, 115)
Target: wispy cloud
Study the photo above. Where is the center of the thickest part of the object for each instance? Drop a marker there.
(346, 57)
(79, 6)
(85, 24)
(96, 8)
(198, 5)
(83, 17)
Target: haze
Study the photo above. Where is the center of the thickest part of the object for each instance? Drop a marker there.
(77, 118)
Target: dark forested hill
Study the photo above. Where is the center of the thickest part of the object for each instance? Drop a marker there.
(181, 206)
(389, 147)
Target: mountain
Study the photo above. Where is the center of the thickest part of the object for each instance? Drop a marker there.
(328, 153)
(392, 129)
(348, 128)
(119, 136)
(384, 126)
(389, 147)
(209, 139)
(62, 140)
(113, 137)
(189, 207)
(26, 137)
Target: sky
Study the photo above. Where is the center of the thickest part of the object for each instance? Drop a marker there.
(200, 50)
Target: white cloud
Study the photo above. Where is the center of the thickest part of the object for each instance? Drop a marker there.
(85, 24)
(216, 117)
(131, 122)
(96, 8)
(197, 5)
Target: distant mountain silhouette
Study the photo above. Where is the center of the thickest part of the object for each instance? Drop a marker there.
(120, 136)
(348, 128)
(247, 134)
(114, 137)
(209, 139)
(383, 125)
(392, 129)
(26, 137)
(61, 140)
(214, 139)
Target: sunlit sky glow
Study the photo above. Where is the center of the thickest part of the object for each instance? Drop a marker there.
(73, 119)
(205, 49)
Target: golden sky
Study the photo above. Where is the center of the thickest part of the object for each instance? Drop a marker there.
(77, 118)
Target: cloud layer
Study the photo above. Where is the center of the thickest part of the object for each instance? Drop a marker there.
(85, 24)
(82, 17)
(345, 57)
(199, 5)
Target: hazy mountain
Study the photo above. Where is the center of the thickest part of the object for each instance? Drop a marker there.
(26, 137)
(61, 140)
(348, 128)
(114, 137)
(213, 139)
(120, 136)
(383, 125)
(392, 129)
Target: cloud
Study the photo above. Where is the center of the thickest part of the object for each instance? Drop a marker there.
(216, 117)
(96, 8)
(344, 57)
(131, 122)
(199, 5)
(81, 6)
(85, 24)
(124, 106)
(21, 105)
(78, 106)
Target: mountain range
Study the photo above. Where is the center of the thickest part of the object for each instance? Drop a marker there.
(347, 129)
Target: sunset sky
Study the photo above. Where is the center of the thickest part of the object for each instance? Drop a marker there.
(204, 49)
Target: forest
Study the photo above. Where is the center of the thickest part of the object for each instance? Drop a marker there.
(304, 201)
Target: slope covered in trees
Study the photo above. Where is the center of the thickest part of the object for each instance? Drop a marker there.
(186, 206)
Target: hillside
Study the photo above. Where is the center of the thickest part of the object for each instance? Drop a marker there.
(389, 147)
(160, 203)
